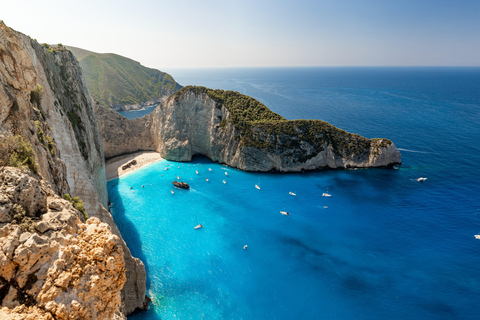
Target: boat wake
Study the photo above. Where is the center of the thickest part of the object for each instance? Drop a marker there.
(415, 151)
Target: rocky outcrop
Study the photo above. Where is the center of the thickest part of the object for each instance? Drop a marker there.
(53, 265)
(43, 98)
(230, 128)
(121, 135)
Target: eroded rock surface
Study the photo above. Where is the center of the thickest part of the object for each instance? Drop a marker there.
(53, 265)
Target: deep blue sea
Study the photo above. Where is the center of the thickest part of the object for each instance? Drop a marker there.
(383, 246)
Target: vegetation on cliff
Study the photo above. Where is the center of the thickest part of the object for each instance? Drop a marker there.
(77, 204)
(262, 128)
(116, 81)
(16, 152)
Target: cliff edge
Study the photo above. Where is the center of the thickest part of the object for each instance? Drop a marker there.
(53, 265)
(45, 101)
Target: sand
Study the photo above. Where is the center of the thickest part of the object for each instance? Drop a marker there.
(113, 166)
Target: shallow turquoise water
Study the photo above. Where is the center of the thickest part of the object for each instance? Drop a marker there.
(387, 247)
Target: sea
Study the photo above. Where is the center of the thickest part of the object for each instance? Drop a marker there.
(381, 246)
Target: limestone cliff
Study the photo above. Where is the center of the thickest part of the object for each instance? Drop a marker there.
(239, 131)
(44, 99)
(53, 265)
(121, 135)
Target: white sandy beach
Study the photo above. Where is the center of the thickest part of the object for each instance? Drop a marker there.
(113, 166)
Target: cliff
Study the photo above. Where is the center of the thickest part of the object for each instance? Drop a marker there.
(44, 99)
(122, 135)
(122, 83)
(239, 131)
(53, 265)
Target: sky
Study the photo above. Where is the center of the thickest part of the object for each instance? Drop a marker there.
(259, 33)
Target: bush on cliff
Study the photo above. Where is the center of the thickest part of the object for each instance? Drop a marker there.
(77, 203)
(16, 152)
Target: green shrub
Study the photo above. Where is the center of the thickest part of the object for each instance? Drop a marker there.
(36, 94)
(50, 145)
(40, 134)
(77, 204)
(16, 152)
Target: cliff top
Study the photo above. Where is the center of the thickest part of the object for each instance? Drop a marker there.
(254, 119)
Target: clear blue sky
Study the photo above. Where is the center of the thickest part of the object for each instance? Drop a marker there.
(240, 33)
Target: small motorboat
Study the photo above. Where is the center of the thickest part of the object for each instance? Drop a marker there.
(421, 179)
(226, 173)
(245, 247)
(196, 171)
(326, 195)
(181, 185)
(197, 225)
(283, 211)
(477, 236)
(224, 181)
(209, 169)
(206, 179)
(166, 168)
(292, 194)
(172, 192)
(257, 186)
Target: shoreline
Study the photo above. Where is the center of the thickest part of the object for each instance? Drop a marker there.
(113, 166)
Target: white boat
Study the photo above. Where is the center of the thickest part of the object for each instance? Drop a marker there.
(245, 247)
(325, 207)
(206, 179)
(283, 211)
(292, 194)
(196, 171)
(178, 178)
(166, 168)
(326, 195)
(172, 192)
(224, 181)
(477, 236)
(209, 169)
(421, 179)
(226, 173)
(256, 186)
(197, 225)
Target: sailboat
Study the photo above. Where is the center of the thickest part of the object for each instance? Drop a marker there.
(197, 225)
(285, 213)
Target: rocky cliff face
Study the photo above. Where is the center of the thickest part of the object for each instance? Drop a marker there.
(121, 135)
(53, 265)
(191, 122)
(44, 99)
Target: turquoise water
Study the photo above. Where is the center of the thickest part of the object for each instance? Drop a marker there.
(386, 246)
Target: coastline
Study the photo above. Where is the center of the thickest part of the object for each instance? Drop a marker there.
(113, 166)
